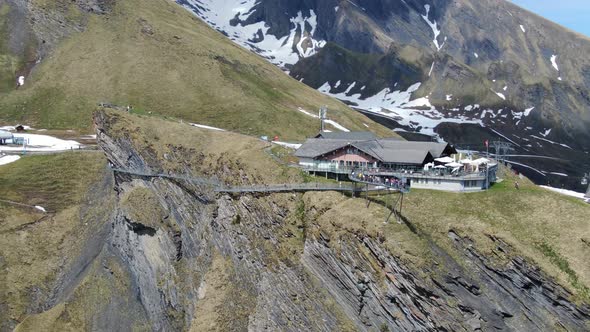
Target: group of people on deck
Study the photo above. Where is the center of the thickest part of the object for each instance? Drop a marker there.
(378, 180)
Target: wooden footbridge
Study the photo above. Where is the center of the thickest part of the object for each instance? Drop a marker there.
(356, 187)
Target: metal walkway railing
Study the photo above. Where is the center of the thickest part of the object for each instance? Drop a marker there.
(191, 179)
(303, 187)
(272, 188)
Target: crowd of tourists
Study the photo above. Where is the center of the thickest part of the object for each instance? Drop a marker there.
(386, 181)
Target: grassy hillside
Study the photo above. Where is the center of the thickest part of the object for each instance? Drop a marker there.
(36, 246)
(546, 227)
(159, 58)
(53, 181)
(550, 228)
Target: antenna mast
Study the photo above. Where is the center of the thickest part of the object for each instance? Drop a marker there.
(585, 181)
(323, 117)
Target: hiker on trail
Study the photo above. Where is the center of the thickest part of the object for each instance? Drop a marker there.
(516, 185)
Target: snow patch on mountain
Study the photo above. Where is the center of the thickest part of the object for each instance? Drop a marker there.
(554, 62)
(228, 16)
(565, 192)
(206, 127)
(434, 26)
(501, 95)
(7, 159)
(417, 114)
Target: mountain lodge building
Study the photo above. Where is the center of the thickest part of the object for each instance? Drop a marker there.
(336, 154)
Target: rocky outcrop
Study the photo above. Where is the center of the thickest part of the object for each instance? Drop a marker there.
(525, 298)
(323, 284)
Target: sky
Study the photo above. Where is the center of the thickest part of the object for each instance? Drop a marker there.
(573, 14)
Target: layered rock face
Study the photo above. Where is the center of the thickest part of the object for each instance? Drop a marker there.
(200, 260)
(420, 65)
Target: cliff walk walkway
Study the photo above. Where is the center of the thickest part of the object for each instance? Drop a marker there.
(357, 186)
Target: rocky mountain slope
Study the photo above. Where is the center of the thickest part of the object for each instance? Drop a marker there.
(164, 254)
(420, 65)
(152, 55)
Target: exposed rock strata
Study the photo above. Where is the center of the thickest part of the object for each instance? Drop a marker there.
(194, 259)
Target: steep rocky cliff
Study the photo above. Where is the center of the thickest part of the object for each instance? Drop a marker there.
(174, 255)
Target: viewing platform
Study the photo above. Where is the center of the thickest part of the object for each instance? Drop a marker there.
(420, 179)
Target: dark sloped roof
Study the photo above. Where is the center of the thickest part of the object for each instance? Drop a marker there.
(406, 156)
(315, 147)
(388, 151)
(350, 136)
(394, 154)
(436, 149)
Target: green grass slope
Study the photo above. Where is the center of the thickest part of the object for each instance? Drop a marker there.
(548, 227)
(159, 58)
(34, 246)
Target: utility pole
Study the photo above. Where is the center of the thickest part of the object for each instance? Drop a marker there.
(502, 149)
(487, 143)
